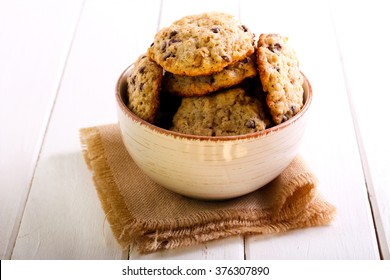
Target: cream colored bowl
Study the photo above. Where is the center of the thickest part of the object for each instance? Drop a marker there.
(210, 167)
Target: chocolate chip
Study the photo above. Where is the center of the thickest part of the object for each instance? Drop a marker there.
(244, 28)
(167, 55)
(141, 70)
(251, 124)
(173, 33)
(245, 60)
(212, 80)
(163, 46)
(152, 44)
(277, 68)
(215, 29)
(276, 48)
(133, 80)
(294, 108)
(226, 58)
(172, 41)
(141, 86)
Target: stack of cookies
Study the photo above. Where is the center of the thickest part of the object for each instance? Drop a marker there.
(204, 75)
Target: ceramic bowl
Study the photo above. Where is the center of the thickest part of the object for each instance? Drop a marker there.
(211, 168)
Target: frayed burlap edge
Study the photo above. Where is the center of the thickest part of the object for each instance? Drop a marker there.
(317, 213)
(111, 199)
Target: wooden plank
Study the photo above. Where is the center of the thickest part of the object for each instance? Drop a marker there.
(329, 145)
(63, 217)
(35, 39)
(362, 39)
(231, 248)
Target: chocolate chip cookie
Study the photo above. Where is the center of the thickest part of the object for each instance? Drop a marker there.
(201, 44)
(144, 85)
(228, 112)
(280, 76)
(200, 85)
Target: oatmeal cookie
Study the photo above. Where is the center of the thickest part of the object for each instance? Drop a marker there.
(228, 112)
(201, 44)
(280, 76)
(200, 85)
(144, 86)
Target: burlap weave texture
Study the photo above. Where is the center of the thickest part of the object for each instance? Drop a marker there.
(143, 213)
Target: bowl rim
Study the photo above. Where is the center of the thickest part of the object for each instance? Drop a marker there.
(175, 134)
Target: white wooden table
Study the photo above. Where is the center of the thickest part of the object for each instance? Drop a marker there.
(59, 61)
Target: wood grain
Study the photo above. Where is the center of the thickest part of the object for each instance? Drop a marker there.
(33, 51)
(366, 73)
(63, 217)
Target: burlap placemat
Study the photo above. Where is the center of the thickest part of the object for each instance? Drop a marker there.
(142, 213)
